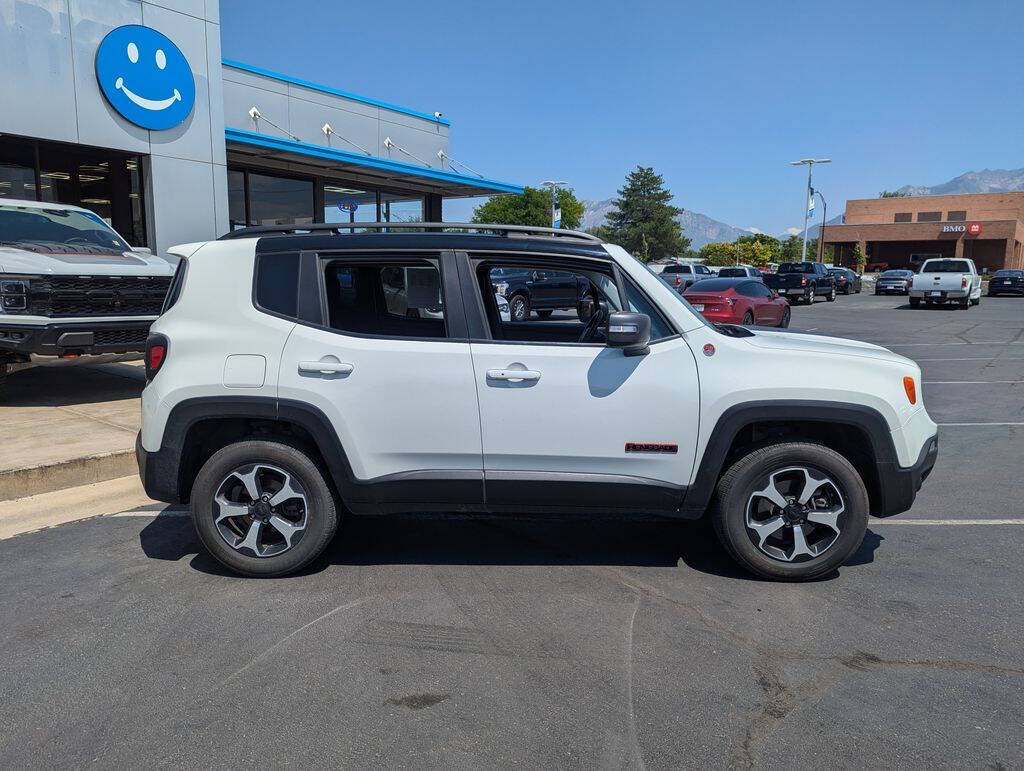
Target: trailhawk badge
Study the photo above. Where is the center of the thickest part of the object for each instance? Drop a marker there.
(145, 77)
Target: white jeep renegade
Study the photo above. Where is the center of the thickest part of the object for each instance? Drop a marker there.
(299, 373)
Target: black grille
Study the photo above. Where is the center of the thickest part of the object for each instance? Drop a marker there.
(76, 296)
(120, 338)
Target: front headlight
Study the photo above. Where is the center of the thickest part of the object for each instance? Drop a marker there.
(13, 295)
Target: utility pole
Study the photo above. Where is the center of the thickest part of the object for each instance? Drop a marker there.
(553, 185)
(809, 163)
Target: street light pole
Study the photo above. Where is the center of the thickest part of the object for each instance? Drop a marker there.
(821, 232)
(553, 185)
(809, 163)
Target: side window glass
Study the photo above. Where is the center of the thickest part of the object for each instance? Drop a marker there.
(277, 283)
(385, 299)
(556, 310)
(638, 303)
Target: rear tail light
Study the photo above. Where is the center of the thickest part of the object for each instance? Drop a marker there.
(678, 280)
(963, 282)
(910, 282)
(911, 388)
(156, 355)
(803, 282)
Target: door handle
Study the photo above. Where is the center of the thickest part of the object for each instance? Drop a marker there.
(513, 375)
(326, 367)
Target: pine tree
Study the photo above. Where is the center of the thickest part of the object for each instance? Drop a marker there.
(643, 221)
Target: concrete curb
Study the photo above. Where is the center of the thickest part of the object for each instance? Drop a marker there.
(23, 482)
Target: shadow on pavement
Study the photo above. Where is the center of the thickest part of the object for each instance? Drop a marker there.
(465, 540)
(66, 386)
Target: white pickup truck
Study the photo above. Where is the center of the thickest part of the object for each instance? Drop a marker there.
(71, 289)
(946, 280)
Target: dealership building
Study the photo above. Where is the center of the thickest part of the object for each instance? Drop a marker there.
(127, 107)
(902, 232)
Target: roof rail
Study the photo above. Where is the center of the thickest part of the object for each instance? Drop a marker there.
(338, 228)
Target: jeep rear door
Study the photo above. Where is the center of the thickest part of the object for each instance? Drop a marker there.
(390, 368)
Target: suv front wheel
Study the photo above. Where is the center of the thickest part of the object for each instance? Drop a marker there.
(263, 508)
(792, 512)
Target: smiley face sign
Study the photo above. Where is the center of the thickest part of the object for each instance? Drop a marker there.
(145, 77)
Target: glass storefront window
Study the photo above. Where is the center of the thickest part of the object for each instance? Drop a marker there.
(344, 204)
(236, 199)
(395, 207)
(17, 170)
(280, 200)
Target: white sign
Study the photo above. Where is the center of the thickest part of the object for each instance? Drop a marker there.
(954, 228)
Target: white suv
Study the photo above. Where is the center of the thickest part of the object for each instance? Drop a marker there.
(298, 374)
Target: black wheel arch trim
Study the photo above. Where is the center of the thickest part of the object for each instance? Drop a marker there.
(894, 481)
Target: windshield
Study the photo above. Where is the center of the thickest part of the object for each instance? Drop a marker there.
(896, 274)
(63, 230)
(796, 267)
(1009, 273)
(946, 266)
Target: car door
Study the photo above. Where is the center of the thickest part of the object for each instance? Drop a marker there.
(565, 423)
(769, 312)
(390, 368)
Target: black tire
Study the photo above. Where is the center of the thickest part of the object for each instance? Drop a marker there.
(544, 314)
(809, 297)
(976, 301)
(787, 315)
(739, 483)
(519, 307)
(321, 513)
(748, 319)
(832, 295)
(965, 303)
(915, 302)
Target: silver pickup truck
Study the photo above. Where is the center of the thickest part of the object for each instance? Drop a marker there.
(946, 280)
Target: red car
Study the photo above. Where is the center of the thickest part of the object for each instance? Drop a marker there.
(738, 301)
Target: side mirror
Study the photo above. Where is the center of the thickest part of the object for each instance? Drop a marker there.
(629, 331)
(142, 249)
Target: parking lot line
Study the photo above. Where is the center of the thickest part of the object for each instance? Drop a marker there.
(973, 342)
(947, 522)
(970, 382)
(979, 358)
(979, 424)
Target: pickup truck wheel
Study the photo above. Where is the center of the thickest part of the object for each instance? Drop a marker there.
(519, 308)
(915, 302)
(832, 295)
(794, 511)
(263, 508)
(810, 297)
(965, 303)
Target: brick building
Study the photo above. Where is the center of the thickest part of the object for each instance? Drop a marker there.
(902, 232)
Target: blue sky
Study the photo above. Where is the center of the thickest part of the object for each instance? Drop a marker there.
(717, 97)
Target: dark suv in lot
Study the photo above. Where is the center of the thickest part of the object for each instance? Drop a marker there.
(543, 291)
(804, 281)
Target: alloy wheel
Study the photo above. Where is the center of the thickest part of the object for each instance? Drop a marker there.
(794, 515)
(260, 509)
(519, 309)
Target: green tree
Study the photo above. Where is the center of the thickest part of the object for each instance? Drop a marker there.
(533, 207)
(643, 221)
(718, 253)
(859, 258)
(759, 248)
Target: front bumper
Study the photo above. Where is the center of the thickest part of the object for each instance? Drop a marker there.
(899, 485)
(22, 341)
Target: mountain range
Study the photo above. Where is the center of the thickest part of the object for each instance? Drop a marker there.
(702, 229)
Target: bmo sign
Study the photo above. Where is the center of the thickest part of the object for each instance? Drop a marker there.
(973, 229)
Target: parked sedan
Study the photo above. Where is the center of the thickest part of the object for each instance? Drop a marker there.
(1006, 282)
(894, 282)
(846, 280)
(738, 301)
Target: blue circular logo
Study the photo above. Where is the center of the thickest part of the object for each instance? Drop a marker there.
(145, 77)
(348, 204)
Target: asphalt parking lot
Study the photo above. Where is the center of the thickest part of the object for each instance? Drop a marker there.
(492, 643)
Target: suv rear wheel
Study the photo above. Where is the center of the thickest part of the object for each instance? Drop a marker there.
(263, 508)
(792, 512)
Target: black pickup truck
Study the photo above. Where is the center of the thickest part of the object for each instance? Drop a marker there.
(542, 291)
(804, 281)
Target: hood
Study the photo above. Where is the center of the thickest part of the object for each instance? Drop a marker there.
(794, 341)
(43, 263)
